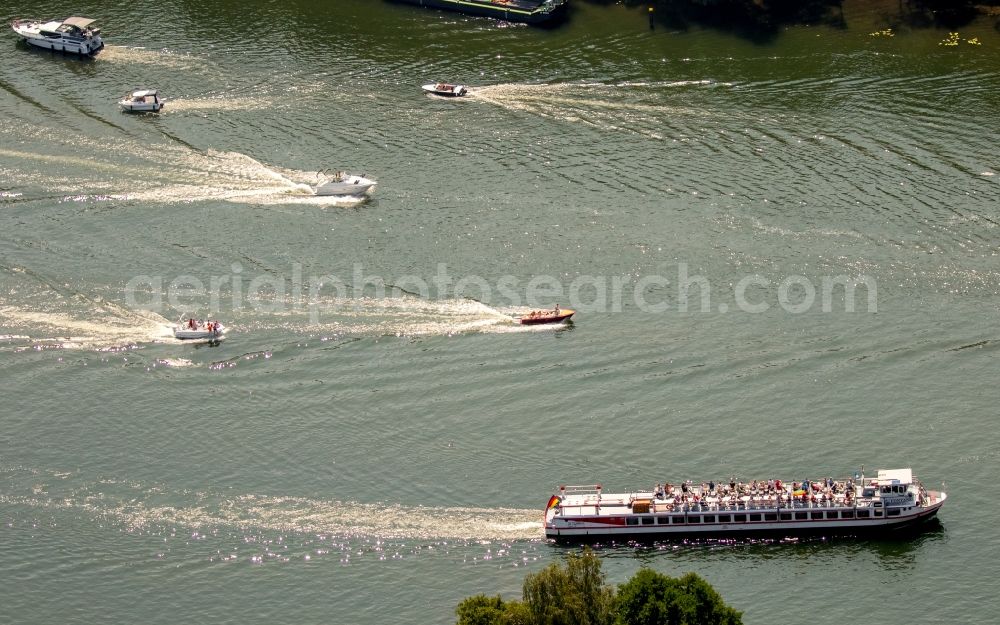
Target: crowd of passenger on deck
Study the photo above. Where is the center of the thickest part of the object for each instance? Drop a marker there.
(758, 493)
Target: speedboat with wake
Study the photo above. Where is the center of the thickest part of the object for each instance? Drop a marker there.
(343, 184)
(446, 89)
(538, 317)
(73, 34)
(192, 329)
(142, 101)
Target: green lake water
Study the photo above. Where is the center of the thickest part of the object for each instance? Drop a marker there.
(376, 438)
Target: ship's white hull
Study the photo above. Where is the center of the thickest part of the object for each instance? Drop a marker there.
(84, 49)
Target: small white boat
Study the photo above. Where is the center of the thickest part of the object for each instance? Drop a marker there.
(446, 89)
(345, 185)
(73, 34)
(142, 101)
(192, 329)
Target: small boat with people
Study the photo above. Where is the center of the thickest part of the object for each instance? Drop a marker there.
(445, 89)
(890, 501)
(142, 101)
(193, 329)
(73, 34)
(538, 317)
(344, 184)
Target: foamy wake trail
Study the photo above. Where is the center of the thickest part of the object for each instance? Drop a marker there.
(136, 507)
(233, 102)
(635, 108)
(404, 315)
(106, 327)
(258, 98)
(132, 55)
(166, 173)
(344, 519)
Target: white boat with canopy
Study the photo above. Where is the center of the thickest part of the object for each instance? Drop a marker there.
(142, 101)
(73, 34)
(860, 505)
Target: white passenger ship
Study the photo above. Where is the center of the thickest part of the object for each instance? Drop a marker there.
(889, 502)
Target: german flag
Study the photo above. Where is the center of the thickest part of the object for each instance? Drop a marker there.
(553, 502)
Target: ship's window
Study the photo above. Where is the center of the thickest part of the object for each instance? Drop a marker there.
(632, 521)
(724, 518)
(647, 520)
(893, 512)
(662, 520)
(847, 514)
(678, 519)
(815, 515)
(864, 514)
(771, 516)
(878, 513)
(786, 516)
(710, 518)
(754, 517)
(740, 518)
(694, 519)
(801, 516)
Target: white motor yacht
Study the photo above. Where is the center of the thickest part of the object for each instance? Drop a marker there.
(73, 34)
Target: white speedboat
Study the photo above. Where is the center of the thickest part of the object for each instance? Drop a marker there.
(142, 101)
(446, 89)
(192, 329)
(345, 185)
(73, 34)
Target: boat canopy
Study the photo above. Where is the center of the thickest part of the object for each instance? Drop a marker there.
(142, 93)
(895, 476)
(79, 22)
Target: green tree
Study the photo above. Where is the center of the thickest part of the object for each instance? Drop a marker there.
(483, 610)
(517, 613)
(480, 610)
(574, 595)
(577, 594)
(651, 598)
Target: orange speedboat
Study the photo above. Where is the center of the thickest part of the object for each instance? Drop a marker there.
(556, 315)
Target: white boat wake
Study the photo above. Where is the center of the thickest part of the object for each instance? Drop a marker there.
(137, 508)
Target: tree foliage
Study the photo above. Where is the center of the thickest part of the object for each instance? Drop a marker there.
(574, 595)
(651, 598)
(480, 610)
(577, 594)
